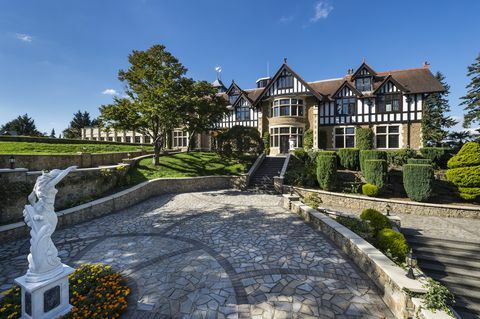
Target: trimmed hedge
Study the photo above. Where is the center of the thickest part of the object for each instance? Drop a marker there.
(438, 155)
(308, 139)
(349, 158)
(369, 155)
(326, 171)
(327, 153)
(377, 220)
(418, 181)
(464, 171)
(364, 138)
(425, 161)
(370, 190)
(393, 244)
(375, 172)
(400, 157)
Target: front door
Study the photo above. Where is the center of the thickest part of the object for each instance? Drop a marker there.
(284, 144)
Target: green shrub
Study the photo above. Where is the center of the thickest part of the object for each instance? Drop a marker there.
(393, 244)
(438, 297)
(375, 172)
(438, 155)
(326, 171)
(418, 181)
(327, 153)
(300, 154)
(322, 139)
(378, 221)
(469, 155)
(301, 172)
(364, 138)
(464, 171)
(370, 190)
(359, 227)
(349, 158)
(312, 199)
(419, 161)
(400, 157)
(308, 139)
(241, 140)
(371, 154)
(266, 143)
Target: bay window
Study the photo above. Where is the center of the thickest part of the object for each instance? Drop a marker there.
(287, 107)
(286, 133)
(344, 136)
(387, 136)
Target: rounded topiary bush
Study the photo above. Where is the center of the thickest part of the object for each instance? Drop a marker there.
(392, 243)
(377, 220)
(418, 181)
(364, 138)
(419, 161)
(326, 171)
(370, 190)
(464, 171)
(349, 158)
(375, 172)
(370, 155)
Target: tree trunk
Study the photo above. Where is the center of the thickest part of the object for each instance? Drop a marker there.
(190, 139)
(157, 146)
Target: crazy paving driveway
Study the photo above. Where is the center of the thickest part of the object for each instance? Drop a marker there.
(223, 254)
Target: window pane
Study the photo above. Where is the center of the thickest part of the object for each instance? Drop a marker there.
(350, 140)
(284, 110)
(300, 101)
(300, 140)
(294, 110)
(393, 129)
(293, 130)
(300, 110)
(381, 129)
(275, 130)
(300, 130)
(285, 130)
(393, 141)
(350, 130)
(275, 102)
(285, 101)
(294, 101)
(396, 105)
(381, 141)
(339, 130)
(339, 142)
(276, 140)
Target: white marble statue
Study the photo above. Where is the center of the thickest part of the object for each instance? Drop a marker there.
(40, 216)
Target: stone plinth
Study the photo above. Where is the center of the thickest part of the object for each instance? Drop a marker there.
(46, 299)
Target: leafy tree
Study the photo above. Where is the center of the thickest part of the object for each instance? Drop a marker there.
(472, 99)
(52, 133)
(156, 88)
(22, 125)
(79, 121)
(203, 109)
(434, 121)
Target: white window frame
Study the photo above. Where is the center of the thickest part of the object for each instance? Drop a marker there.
(387, 134)
(180, 138)
(298, 136)
(334, 134)
(289, 105)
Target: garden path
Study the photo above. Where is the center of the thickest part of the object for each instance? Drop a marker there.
(222, 254)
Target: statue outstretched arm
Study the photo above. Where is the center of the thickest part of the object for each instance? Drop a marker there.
(61, 175)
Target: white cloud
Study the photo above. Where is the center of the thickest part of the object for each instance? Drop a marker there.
(322, 10)
(110, 92)
(24, 37)
(286, 19)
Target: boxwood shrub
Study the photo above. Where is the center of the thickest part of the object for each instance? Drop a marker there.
(349, 158)
(377, 220)
(375, 172)
(464, 171)
(418, 181)
(400, 157)
(371, 154)
(326, 171)
(438, 155)
(370, 190)
(419, 161)
(393, 244)
(364, 138)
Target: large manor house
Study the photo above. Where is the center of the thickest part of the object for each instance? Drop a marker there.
(286, 105)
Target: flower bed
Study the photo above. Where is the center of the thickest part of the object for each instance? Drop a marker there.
(96, 291)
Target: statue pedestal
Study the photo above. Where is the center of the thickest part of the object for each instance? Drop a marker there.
(46, 299)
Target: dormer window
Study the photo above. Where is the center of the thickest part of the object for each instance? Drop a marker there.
(232, 98)
(363, 84)
(345, 106)
(285, 81)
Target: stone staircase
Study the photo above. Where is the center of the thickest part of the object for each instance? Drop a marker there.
(262, 179)
(456, 264)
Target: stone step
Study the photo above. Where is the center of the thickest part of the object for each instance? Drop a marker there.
(450, 261)
(440, 242)
(469, 255)
(436, 268)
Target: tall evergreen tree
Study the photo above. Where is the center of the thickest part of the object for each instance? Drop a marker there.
(79, 121)
(434, 120)
(52, 133)
(22, 125)
(472, 99)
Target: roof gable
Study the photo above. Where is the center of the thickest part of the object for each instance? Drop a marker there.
(364, 70)
(243, 100)
(346, 89)
(233, 89)
(390, 85)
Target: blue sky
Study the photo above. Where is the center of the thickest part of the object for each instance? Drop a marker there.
(57, 57)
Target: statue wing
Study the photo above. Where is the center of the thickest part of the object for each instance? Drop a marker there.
(61, 175)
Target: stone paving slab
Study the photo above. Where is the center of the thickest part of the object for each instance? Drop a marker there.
(223, 254)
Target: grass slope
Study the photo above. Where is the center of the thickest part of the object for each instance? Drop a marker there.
(189, 165)
(47, 148)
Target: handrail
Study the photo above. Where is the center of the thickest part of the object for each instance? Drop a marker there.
(255, 166)
(285, 166)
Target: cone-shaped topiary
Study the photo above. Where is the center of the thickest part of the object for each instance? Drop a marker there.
(375, 172)
(371, 154)
(349, 158)
(326, 171)
(464, 171)
(418, 181)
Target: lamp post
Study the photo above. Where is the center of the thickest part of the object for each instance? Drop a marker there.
(388, 208)
(12, 162)
(411, 263)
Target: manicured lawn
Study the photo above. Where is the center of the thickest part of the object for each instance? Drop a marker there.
(47, 148)
(189, 165)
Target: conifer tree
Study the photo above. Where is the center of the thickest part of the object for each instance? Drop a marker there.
(472, 99)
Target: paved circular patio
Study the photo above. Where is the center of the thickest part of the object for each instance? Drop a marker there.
(223, 254)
